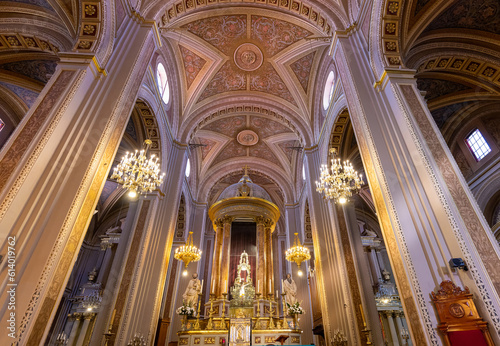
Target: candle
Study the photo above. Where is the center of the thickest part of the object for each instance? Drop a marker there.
(213, 285)
(282, 286)
(112, 317)
(269, 288)
(258, 286)
(276, 294)
(201, 289)
(225, 286)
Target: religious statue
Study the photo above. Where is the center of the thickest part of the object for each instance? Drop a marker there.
(290, 289)
(243, 269)
(386, 275)
(190, 296)
(243, 291)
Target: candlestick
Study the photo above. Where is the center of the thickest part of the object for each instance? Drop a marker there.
(223, 315)
(258, 304)
(271, 312)
(285, 312)
(197, 324)
(210, 324)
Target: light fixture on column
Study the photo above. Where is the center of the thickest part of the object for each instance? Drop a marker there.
(297, 253)
(339, 181)
(137, 173)
(188, 252)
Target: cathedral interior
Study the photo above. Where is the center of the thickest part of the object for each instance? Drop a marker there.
(325, 172)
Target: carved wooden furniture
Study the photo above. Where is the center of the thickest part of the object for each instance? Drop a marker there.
(460, 321)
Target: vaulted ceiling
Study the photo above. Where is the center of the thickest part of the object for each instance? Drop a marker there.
(249, 72)
(454, 47)
(241, 70)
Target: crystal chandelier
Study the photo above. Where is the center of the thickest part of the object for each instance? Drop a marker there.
(340, 181)
(138, 173)
(188, 252)
(297, 253)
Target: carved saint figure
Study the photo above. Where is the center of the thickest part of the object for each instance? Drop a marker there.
(290, 289)
(190, 296)
(243, 269)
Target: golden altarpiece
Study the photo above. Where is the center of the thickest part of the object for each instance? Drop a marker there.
(244, 308)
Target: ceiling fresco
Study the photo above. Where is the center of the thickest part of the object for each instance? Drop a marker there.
(26, 95)
(261, 56)
(470, 14)
(252, 53)
(192, 64)
(249, 68)
(245, 136)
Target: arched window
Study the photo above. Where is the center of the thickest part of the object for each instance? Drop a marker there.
(328, 92)
(188, 169)
(162, 80)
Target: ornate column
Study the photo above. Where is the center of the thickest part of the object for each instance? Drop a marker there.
(337, 307)
(418, 190)
(56, 164)
(87, 317)
(392, 328)
(400, 326)
(261, 257)
(215, 279)
(367, 307)
(268, 230)
(138, 301)
(224, 264)
(74, 328)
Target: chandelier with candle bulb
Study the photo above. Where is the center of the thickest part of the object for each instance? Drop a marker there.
(339, 181)
(188, 252)
(297, 253)
(138, 173)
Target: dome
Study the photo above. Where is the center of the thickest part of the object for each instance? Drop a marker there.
(244, 188)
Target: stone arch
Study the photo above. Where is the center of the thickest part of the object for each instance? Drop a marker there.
(97, 30)
(227, 106)
(220, 171)
(326, 17)
(384, 12)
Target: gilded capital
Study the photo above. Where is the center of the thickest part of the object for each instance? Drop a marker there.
(219, 222)
(259, 220)
(88, 315)
(268, 223)
(228, 219)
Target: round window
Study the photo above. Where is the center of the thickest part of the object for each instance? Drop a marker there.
(162, 80)
(328, 92)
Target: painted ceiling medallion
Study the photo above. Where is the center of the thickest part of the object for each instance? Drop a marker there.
(248, 57)
(247, 137)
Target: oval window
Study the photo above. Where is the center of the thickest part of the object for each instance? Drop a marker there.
(328, 92)
(188, 169)
(162, 80)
